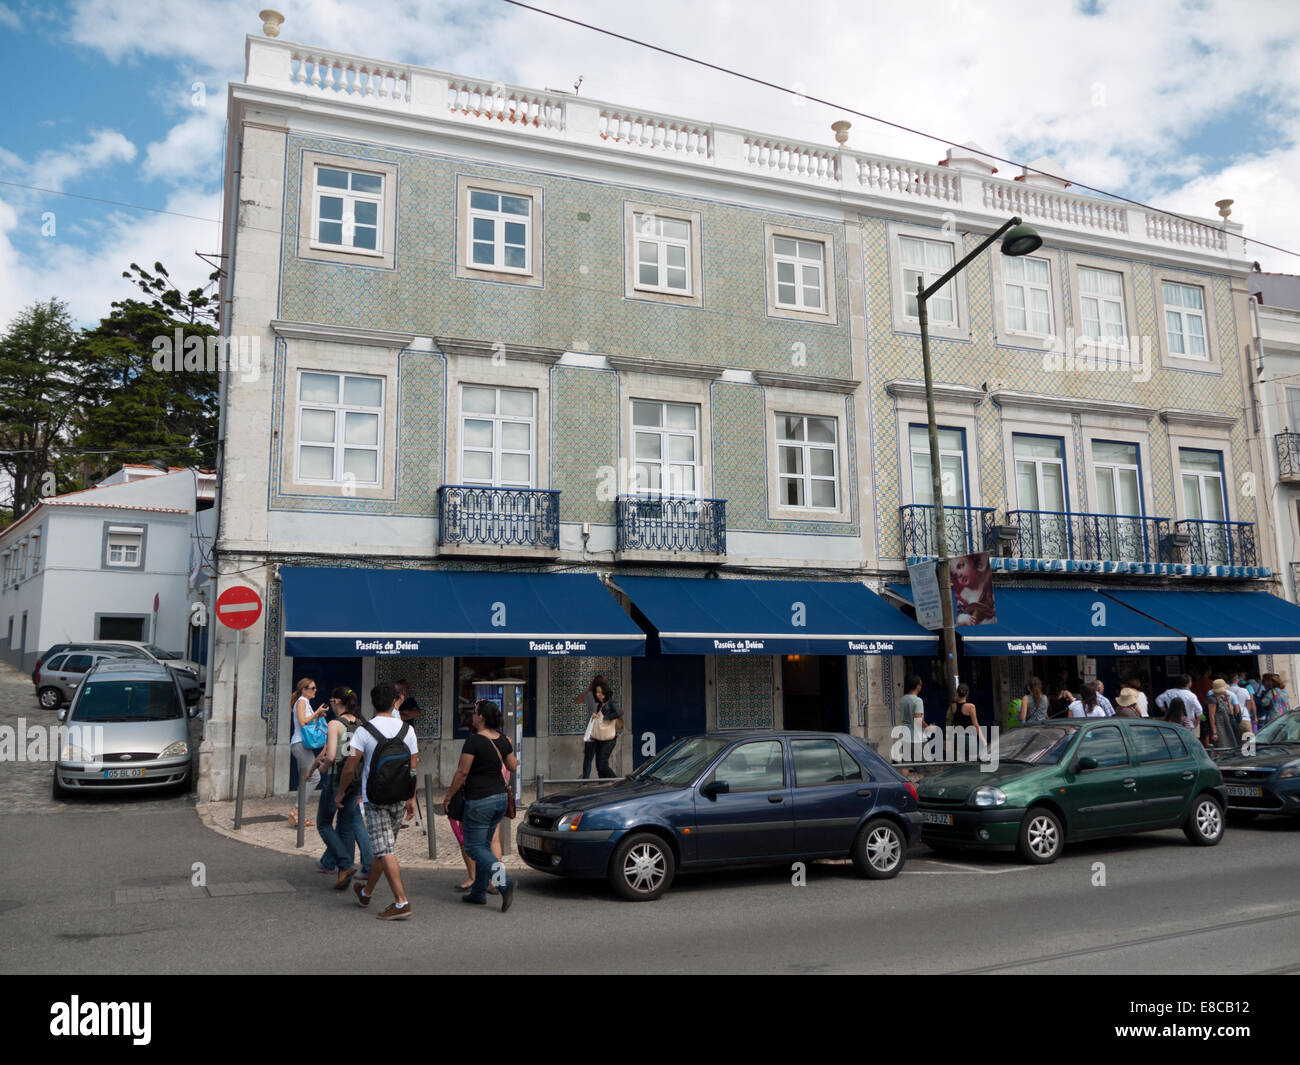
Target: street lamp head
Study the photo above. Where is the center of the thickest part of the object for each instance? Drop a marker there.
(1021, 240)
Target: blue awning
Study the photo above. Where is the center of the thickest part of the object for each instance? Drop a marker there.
(1063, 621)
(345, 613)
(1222, 623)
(696, 615)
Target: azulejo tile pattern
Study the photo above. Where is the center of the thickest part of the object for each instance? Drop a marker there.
(982, 360)
(585, 413)
(425, 678)
(582, 298)
(746, 697)
(570, 677)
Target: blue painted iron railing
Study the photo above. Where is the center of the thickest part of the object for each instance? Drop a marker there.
(1084, 537)
(966, 530)
(1210, 543)
(672, 523)
(502, 517)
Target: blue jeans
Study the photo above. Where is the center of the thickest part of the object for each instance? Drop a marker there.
(481, 819)
(348, 833)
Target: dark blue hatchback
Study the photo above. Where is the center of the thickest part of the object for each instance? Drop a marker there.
(738, 798)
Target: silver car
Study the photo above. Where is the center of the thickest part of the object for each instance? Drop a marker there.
(58, 677)
(127, 729)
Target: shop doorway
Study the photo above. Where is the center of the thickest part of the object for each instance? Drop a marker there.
(815, 692)
(328, 673)
(667, 701)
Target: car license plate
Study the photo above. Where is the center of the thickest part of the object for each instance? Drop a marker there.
(119, 774)
(936, 819)
(1245, 793)
(527, 839)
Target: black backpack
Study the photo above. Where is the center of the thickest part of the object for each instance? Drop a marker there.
(391, 780)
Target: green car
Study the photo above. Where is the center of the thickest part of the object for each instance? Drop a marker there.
(1076, 779)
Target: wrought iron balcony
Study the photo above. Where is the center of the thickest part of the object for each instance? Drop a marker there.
(1084, 537)
(672, 523)
(1287, 446)
(966, 530)
(470, 515)
(1209, 543)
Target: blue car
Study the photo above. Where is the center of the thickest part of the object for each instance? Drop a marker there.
(726, 800)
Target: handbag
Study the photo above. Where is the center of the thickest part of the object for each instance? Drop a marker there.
(510, 795)
(314, 734)
(456, 808)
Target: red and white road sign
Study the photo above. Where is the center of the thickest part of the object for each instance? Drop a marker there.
(239, 607)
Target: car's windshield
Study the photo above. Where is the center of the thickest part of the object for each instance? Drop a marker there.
(682, 762)
(1286, 729)
(128, 700)
(1043, 745)
(158, 652)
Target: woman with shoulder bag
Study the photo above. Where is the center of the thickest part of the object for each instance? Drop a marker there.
(308, 736)
(487, 799)
(456, 816)
(338, 816)
(961, 716)
(605, 720)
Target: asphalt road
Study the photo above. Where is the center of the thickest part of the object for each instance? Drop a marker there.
(105, 885)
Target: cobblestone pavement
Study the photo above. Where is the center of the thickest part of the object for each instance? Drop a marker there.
(25, 785)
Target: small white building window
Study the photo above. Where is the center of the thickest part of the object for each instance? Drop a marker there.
(349, 210)
(36, 553)
(1027, 294)
(665, 448)
(930, 259)
(1101, 304)
(1185, 319)
(339, 428)
(663, 254)
(498, 433)
(500, 231)
(808, 461)
(124, 546)
(800, 273)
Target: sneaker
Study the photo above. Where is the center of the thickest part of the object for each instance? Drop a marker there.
(473, 901)
(345, 877)
(357, 888)
(395, 912)
(507, 896)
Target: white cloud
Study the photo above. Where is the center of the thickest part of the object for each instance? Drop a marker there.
(191, 151)
(54, 169)
(10, 18)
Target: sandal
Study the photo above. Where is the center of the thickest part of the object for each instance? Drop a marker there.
(462, 887)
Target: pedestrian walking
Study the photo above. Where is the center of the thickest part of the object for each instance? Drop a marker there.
(1034, 706)
(605, 727)
(1245, 702)
(1191, 704)
(339, 819)
(588, 699)
(912, 711)
(1089, 703)
(1107, 707)
(1144, 707)
(304, 749)
(1273, 701)
(1219, 730)
(487, 801)
(458, 830)
(1176, 712)
(388, 784)
(963, 716)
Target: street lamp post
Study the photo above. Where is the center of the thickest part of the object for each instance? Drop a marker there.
(1020, 239)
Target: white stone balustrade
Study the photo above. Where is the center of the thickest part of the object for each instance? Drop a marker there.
(280, 65)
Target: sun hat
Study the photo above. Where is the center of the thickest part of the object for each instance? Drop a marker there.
(1127, 697)
(1220, 686)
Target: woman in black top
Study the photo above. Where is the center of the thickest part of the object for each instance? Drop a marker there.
(604, 732)
(479, 770)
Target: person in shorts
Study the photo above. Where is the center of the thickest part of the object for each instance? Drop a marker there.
(382, 819)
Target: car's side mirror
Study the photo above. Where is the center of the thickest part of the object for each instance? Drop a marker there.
(63, 713)
(714, 788)
(1085, 763)
(196, 710)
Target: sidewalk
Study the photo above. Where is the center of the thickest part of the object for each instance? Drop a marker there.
(266, 825)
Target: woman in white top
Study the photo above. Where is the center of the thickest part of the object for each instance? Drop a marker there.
(1086, 705)
(303, 714)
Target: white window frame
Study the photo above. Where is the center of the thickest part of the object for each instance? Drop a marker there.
(1118, 353)
(1201, 479)
(1039, 463)
(800, 263)
(1104, 470)
(634, 214)
(901, 290)
(805, 447)
(1211, 361)
(498, 420)
(644, 224)
(1026, 286)
(913, 451)
(636, 488)
(1184, 314)
(350, 198)
(1102, 300)
(123, 534)
(499, 221)
(36, 553)
(339, 445)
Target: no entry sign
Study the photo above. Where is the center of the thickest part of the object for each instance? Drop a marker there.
(238, 607)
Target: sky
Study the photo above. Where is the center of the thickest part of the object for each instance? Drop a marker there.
(1175, 102)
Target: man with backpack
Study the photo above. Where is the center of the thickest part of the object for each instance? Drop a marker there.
(386, 749)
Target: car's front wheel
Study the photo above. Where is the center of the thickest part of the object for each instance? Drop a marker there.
(1041, 837)
(642, 867)
(879, 850)
(1204, 825)
(50, 698)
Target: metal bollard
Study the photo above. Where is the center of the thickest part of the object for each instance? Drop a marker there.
(302, 809)
(428, 806)
(239, 793)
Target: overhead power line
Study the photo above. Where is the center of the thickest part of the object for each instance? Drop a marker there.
(731, 72)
